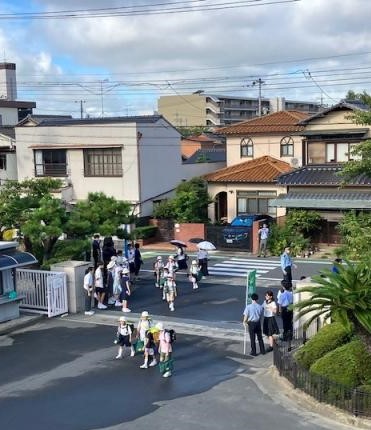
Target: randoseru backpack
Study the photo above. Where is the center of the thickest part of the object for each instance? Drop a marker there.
(172, 335)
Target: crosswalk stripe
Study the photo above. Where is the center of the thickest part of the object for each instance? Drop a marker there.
(235, 274)
(235, 269)
(255, 261)
(244, 265)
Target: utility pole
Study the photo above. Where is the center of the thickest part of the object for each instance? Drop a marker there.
(81, 107)
(259, 82)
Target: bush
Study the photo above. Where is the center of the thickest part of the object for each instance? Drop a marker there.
(144, 232)
(327, 339)
(349, 364)
(281, 237)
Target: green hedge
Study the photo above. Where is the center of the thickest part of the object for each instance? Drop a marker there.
(349, 365)
(327, 339)
(144, 232)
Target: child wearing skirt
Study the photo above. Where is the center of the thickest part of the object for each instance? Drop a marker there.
(270, 327)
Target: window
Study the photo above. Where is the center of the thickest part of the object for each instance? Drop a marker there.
(103, 162)
(247, 147)
(2, 161)
(338, 152)
(287, 146)
(50, 162)
(255, 202)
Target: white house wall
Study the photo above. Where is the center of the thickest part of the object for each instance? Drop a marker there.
(124, 188)
(11, 168)
(263, 145)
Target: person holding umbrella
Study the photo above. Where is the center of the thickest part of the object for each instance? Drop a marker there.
(202, 256)
(181, 257)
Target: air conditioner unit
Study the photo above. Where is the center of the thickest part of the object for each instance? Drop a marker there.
(294, 162)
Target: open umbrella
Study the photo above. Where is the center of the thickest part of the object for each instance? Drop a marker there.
(196, 240)
(207, 246)
(178, 243)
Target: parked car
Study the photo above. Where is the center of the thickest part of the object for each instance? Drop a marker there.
(241, 227)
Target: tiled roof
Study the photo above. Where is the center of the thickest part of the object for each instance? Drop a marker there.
(50, 122)
(319, 174)
(199, 138)
(342, 199)
(263, 169)
(207, 156)
(286, 121)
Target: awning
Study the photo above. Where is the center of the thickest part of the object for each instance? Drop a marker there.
(10, 259)
(330, 200)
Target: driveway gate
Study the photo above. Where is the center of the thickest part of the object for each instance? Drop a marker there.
(44, 292)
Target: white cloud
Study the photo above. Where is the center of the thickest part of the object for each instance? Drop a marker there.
(156, 49)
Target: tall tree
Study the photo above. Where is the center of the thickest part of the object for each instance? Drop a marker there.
(99, 213)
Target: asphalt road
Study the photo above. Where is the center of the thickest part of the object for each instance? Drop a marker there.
(62, 375)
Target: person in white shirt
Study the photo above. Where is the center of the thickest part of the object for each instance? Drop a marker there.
(202, 257)
(270, 327)
(124, 335)
(263, 237)
(88, 290)
(100, 291)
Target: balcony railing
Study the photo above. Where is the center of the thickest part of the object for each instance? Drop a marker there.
(51, 169)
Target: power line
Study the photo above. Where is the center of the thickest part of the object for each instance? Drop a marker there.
(101, 13)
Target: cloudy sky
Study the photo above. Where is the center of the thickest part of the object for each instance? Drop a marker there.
(119, 57)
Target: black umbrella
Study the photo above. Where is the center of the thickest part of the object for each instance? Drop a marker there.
(179, 243)
(196, 240)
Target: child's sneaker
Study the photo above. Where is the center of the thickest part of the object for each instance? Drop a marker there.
(132, 353)
(153, 363)
(144, 366)
(118, 303)
(166, 374)
(118, 356)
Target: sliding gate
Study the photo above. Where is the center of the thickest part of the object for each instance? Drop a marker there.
(44, 292)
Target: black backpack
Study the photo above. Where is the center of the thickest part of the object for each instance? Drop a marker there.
(172, 335)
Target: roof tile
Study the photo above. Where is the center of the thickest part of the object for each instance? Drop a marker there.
(263, 169)
(278, 122)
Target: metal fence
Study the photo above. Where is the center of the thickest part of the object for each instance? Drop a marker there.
(352, 400)
(43, 292)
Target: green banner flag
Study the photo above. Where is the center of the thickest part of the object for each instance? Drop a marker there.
(250, 285)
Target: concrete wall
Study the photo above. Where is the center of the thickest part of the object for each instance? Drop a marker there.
(75, 271)
(188, 110)
(9, 116)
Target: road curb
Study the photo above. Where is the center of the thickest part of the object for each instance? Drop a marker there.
(23, 321)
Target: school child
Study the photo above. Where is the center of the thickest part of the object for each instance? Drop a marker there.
(194, 274)
(165, 349)
(144, 324)
(158, 267)
(125, 290)
(149, 350)
(163, 281)
(124, 335)
(170, 291)
(172, 266)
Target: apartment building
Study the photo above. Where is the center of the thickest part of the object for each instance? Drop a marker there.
(200, 109)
